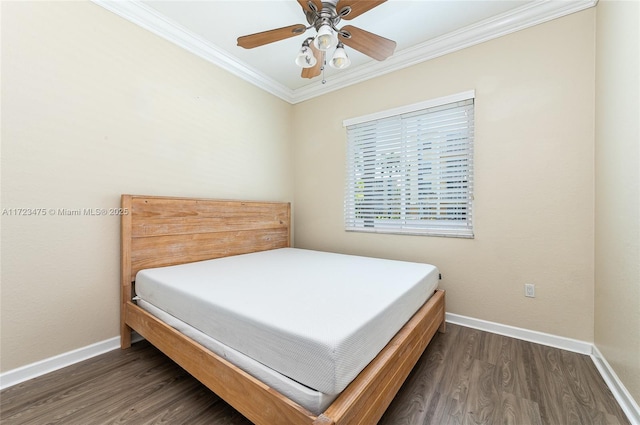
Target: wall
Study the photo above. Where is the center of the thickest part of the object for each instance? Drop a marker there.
(534, 175)
(617, 220)
(93, 107)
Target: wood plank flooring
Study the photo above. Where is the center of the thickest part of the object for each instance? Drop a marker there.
(465, 376)
(468, 376)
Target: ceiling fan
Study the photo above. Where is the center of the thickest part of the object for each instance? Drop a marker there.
(325, 17)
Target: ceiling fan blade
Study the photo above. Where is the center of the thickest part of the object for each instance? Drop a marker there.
(375, 46)
(314, 71)
(305, 5)
(358, 7)
(266, 37)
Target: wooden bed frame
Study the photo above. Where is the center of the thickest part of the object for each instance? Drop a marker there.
(161, 231)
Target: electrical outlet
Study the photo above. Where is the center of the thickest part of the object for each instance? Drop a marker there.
(529, 290)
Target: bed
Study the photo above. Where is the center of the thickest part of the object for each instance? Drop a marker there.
(164, 237)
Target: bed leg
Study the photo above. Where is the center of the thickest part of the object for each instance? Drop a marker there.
(125, 330)
(125, 337)
(126, 295)
(443, 325)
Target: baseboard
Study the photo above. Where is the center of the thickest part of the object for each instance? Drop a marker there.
(563, 343)
(33, 370)
(624, 399)
(619, 391)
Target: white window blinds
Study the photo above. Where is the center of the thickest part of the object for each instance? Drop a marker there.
(412, 172)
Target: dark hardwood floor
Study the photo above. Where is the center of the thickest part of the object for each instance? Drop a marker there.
(468, 376)
(465, 376)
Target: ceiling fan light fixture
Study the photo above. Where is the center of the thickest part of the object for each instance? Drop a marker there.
(340, 60)
(306, 58)
(326, 38)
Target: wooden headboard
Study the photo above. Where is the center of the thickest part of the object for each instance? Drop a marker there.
(159, 231)
(163, 231)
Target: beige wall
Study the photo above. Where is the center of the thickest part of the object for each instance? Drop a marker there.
(533, 166)
(617, 237)
(92, 107)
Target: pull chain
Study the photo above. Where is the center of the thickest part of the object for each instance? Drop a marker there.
(324, 64)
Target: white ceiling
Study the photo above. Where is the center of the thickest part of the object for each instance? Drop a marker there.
(423, 29)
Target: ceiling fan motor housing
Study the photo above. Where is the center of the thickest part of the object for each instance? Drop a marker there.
(326, 16)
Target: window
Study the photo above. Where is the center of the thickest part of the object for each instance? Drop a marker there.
(410, 170)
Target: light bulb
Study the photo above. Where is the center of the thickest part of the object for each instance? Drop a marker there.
(326, 38)
(305, 58)
(340, 59)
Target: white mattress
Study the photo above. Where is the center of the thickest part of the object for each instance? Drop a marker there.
(317, 318)
(312, 400)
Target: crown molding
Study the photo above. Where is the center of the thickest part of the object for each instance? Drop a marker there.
(149, 19)
(515, 20)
